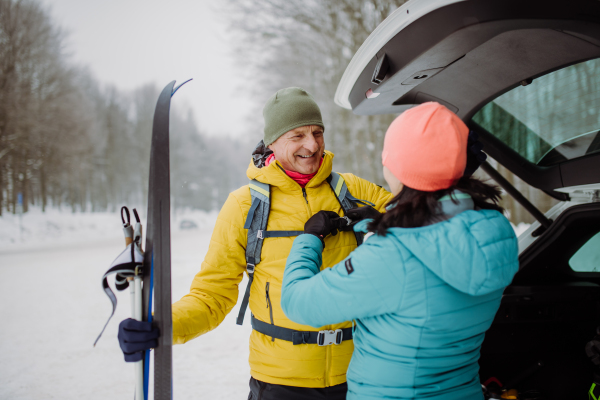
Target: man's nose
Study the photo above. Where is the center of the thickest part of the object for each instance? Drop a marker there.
(310, 143)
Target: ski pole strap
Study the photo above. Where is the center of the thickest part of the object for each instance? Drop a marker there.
(124, 266)
(124, 214)
(322, 338)
(121, 282)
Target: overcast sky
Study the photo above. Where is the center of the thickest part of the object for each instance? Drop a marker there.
(132, 42)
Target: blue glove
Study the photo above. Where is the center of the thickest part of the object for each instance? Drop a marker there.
(475, 154)
(135, 337)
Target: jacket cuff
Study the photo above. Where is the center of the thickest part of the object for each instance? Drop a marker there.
(309, 235)
(361, 226)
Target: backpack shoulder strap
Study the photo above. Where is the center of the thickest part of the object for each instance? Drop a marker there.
(256, 222)
(338, 184)
(339, 187)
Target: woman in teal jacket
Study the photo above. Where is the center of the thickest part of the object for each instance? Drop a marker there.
(425, 287)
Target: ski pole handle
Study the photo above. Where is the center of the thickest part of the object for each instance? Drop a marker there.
(127, 228)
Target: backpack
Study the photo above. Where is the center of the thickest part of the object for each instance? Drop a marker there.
(258, 215)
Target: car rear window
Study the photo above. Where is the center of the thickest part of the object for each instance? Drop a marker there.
(587, 258)
(552, 119)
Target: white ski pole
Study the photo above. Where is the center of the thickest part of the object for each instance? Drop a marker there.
(133, 238)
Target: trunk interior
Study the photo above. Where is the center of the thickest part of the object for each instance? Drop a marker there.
(547, 315)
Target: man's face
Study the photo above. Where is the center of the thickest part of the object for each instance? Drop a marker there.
(300, 149)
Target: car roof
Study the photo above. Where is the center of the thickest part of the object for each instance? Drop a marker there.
(465, 54)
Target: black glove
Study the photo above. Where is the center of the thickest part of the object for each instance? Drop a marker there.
(323, 223)
(475, 155)
(358, 214)
(135, 337)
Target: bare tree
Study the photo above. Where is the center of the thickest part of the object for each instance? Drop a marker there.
(309, 44)
(67, 140)
(34, 83)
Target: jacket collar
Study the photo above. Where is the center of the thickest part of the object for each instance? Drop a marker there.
(274, 174)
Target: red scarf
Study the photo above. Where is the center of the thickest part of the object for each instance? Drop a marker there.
(301, 179)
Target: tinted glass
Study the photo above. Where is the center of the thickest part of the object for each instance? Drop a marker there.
(587, 258)
(553, 119)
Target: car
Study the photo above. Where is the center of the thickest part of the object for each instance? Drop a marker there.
(187, 224)
(525, 76)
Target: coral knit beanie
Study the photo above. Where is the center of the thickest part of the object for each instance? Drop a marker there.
(426, 147)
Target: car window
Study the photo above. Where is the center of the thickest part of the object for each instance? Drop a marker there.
(587, 258)
(552, 119)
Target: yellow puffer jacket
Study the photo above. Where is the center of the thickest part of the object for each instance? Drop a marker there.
(214, 291)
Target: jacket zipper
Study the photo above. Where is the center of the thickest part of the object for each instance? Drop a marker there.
(306, 200)
(269, 306)
(303, 192)
(328, 349)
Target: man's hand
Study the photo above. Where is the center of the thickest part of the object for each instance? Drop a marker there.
(135, 337)
(323, 223)
(358, 214)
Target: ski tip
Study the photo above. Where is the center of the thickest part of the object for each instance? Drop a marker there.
(177, 88)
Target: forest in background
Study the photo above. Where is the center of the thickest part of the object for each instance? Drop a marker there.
(66, 140)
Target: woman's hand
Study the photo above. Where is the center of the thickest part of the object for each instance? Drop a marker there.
(358, 214)
(323, 223)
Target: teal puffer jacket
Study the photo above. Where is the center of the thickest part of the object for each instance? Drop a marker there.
(422, 299)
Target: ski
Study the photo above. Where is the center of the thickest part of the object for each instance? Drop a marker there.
(157, 256)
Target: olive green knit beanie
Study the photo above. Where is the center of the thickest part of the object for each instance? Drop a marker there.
(288, 109)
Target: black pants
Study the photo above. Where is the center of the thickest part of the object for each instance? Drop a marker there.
(267, 391)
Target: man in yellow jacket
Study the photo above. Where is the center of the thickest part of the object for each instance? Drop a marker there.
(286, 360)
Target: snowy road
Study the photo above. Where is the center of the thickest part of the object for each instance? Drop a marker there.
(52, 307)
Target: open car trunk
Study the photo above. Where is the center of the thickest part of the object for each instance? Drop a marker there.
(524, 75)
(548, 314)
(464, 54)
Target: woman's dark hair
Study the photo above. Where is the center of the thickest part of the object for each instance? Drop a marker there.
(413, 208)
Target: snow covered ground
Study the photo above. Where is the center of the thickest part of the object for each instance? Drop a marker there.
(52, 307)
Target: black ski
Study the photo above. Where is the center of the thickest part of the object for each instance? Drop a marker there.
(157, 260)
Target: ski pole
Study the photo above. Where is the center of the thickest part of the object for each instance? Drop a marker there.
(137, 307)
(133, 237)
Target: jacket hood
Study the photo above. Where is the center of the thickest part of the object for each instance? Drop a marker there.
(475, 252)
(275, 175)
